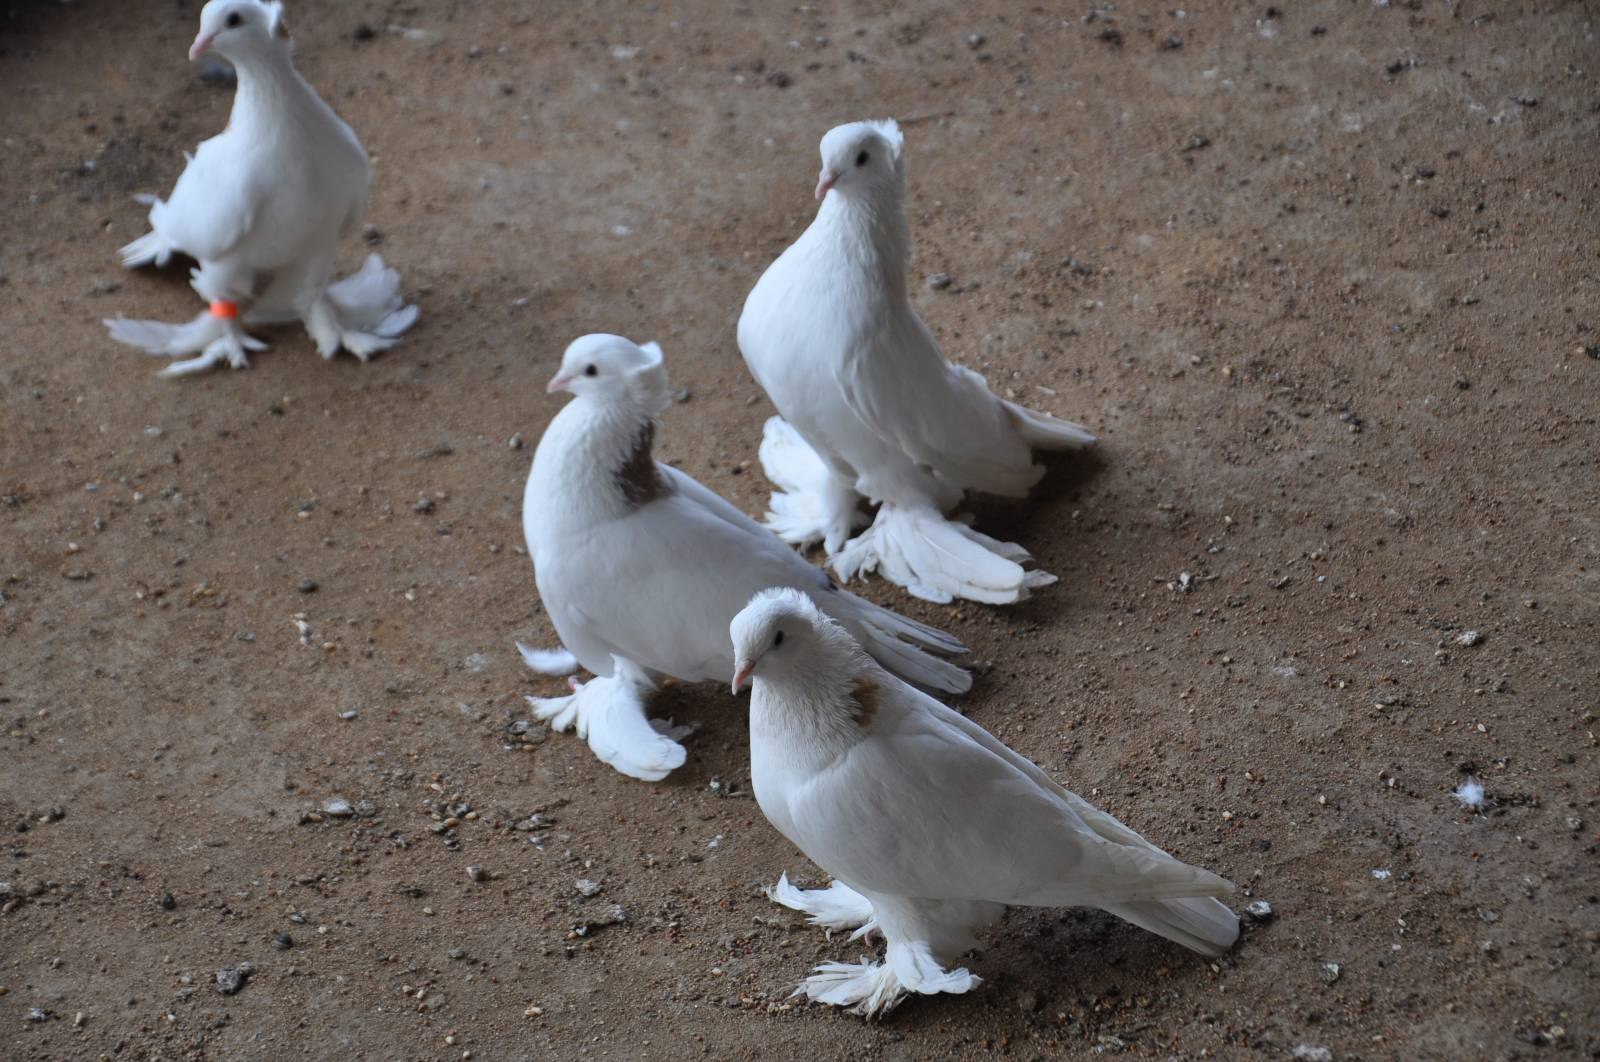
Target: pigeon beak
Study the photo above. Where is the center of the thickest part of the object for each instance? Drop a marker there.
(741, 675)
(559, 382)
(825, 180)
(201, 45)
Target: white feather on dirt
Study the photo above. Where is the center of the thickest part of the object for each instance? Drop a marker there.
(1470, 794)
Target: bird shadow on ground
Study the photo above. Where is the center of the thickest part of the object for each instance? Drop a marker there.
(719, 720)
(1042, 522)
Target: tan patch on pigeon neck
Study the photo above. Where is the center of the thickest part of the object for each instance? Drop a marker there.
(640, 480)
(864, 694)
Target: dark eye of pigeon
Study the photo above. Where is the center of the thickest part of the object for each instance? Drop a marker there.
(777, 639)
(591, 371)
(234, 20)
(863, 158)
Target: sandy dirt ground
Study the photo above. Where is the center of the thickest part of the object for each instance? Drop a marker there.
(1324, 276)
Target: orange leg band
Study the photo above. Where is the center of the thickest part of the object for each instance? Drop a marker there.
(224, 309)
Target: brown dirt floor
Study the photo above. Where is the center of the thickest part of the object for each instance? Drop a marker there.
(1325, 278)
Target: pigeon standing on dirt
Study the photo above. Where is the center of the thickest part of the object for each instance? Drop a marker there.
(868, 404)
(641, 567)
(929, 824)
(261, 206)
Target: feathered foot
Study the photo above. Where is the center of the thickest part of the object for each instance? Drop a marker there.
(609, 713)
(812, 504)
(363, 313)
(938, 559)
(557, 662)
(216, 338)
(836, 907)
(150, 249)
(873, 989)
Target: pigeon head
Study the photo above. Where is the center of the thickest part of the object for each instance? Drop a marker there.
(240, 29)
(777, 633)
(861, 158)
(611, 369)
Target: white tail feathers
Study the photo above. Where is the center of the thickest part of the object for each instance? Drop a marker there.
(899, 643)
(1041, 431)
(557, 662)
(1199, 923)
(150, 249)
(811, 504)
(609, 713)
(938, 559)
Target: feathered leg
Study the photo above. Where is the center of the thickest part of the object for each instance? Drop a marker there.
(938, 559)
(813, 503)
(609, 712)
(917, 932)
(836, 907)
(364, 313)
(557, 662)
(217, 337)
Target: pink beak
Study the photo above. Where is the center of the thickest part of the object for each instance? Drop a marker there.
(201, 45)
(559, 382)
(825, 180)
(741, 675)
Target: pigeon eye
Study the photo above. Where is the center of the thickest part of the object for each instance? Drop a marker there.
(777, 639)
(234, 20)
(591, 371)
(863, 158)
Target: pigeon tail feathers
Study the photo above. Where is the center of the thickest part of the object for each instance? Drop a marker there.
(811, 504)
(1041, 431)
(938, 559)
(1200, 924)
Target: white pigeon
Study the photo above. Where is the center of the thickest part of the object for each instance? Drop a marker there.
(261, 206)
(929, 825)
(868, 404)
(641, 567)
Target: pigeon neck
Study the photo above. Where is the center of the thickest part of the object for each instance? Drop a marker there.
(597, 459)
(817, 714)
(267, 79)
(871, 229)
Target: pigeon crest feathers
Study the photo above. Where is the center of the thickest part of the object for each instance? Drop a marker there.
(233, 28)
(611, 368)
(782, 634)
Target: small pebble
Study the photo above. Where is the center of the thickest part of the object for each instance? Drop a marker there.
(587, 888)
(1468, 638)
(307, 586)
(1260, 911)
(1330, 972)
(282, 941)
(938, 281)
(36, 1014)
(423, 505)
(476, 873)
(1312, 1053)
(337, 807)
(232, 978)
(517, 442)
(167, 901)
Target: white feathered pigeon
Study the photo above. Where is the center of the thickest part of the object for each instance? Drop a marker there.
(929, 825)
(641, 567)
(261, 206)
(868, 404)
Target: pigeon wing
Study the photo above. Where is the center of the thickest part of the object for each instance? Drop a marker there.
(659, 585)
(215, 202)
(920, 808)
(897, 381)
